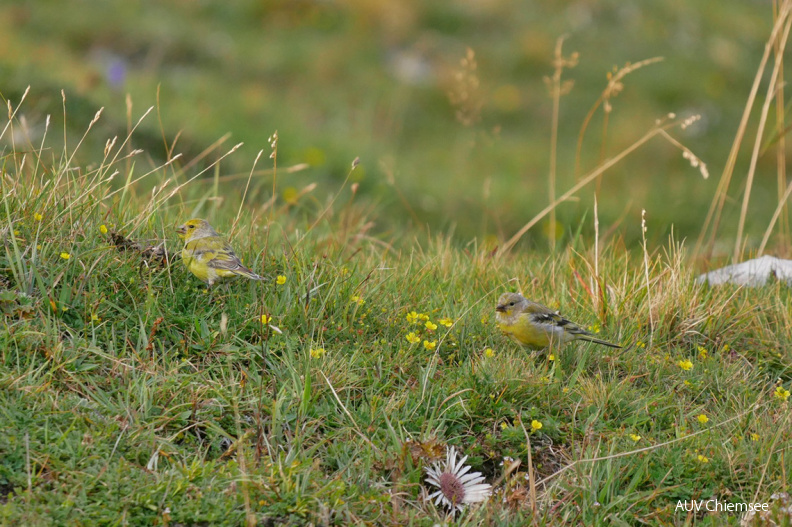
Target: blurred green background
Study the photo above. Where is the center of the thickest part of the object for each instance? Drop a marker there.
(373, 78)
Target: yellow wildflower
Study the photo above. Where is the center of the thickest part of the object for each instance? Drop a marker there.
(430, 345)
(536, 425)
(781, 393)
(430, 326)
(703, 459)
(65, 255)
(412, 338)
(266, 319)
(551, 357)
(489, 352)
(702, 419)
(412, 317)
(702, 352)
(685, 364)
(280, 280)
(356, 299)
(38, 217)
(447, 322)
(103, 229)
(635, 437)
(754, 436)
(317, 352)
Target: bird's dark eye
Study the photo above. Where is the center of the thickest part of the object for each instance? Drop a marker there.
(511, 303)
(191, 226)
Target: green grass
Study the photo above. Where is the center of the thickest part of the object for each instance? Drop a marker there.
(131, 395)
(326, 75)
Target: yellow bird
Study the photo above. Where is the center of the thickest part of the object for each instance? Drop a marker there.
(208, 256)
(536, 326)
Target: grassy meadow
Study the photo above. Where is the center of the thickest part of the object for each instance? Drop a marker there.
(130, 394)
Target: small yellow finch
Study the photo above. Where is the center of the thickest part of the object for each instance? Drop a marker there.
(536, 326)
(208, 256)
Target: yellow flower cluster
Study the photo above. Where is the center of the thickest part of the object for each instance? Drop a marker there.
(414, 318)
(414, 337)
(317, 352)
(685, 364)
(781, 394)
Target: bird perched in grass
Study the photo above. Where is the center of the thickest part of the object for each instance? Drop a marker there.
(208, 256)
(536, 326)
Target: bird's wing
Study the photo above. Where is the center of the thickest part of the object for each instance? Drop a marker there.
(544, 315)
(226, 258)
(553, 321)
(214, 252)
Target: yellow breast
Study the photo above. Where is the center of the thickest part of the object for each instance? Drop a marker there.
(523, 330)
(197, 266)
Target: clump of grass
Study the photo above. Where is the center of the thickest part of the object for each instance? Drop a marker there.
(132, 393)
(776, 44)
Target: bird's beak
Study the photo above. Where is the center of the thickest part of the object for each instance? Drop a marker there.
(501, 308)
(182, 230)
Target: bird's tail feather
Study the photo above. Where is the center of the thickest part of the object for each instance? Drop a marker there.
(244, 271)
(595, 340)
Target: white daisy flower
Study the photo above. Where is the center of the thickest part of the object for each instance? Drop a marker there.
(456, 488)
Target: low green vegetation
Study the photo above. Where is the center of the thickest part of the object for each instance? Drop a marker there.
(458, 149)
(416, 174)
(132, 395)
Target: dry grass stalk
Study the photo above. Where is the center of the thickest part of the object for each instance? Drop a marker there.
(614, 87)
(712, 220)
(557, 89)
(588, 178)
(758, 141)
